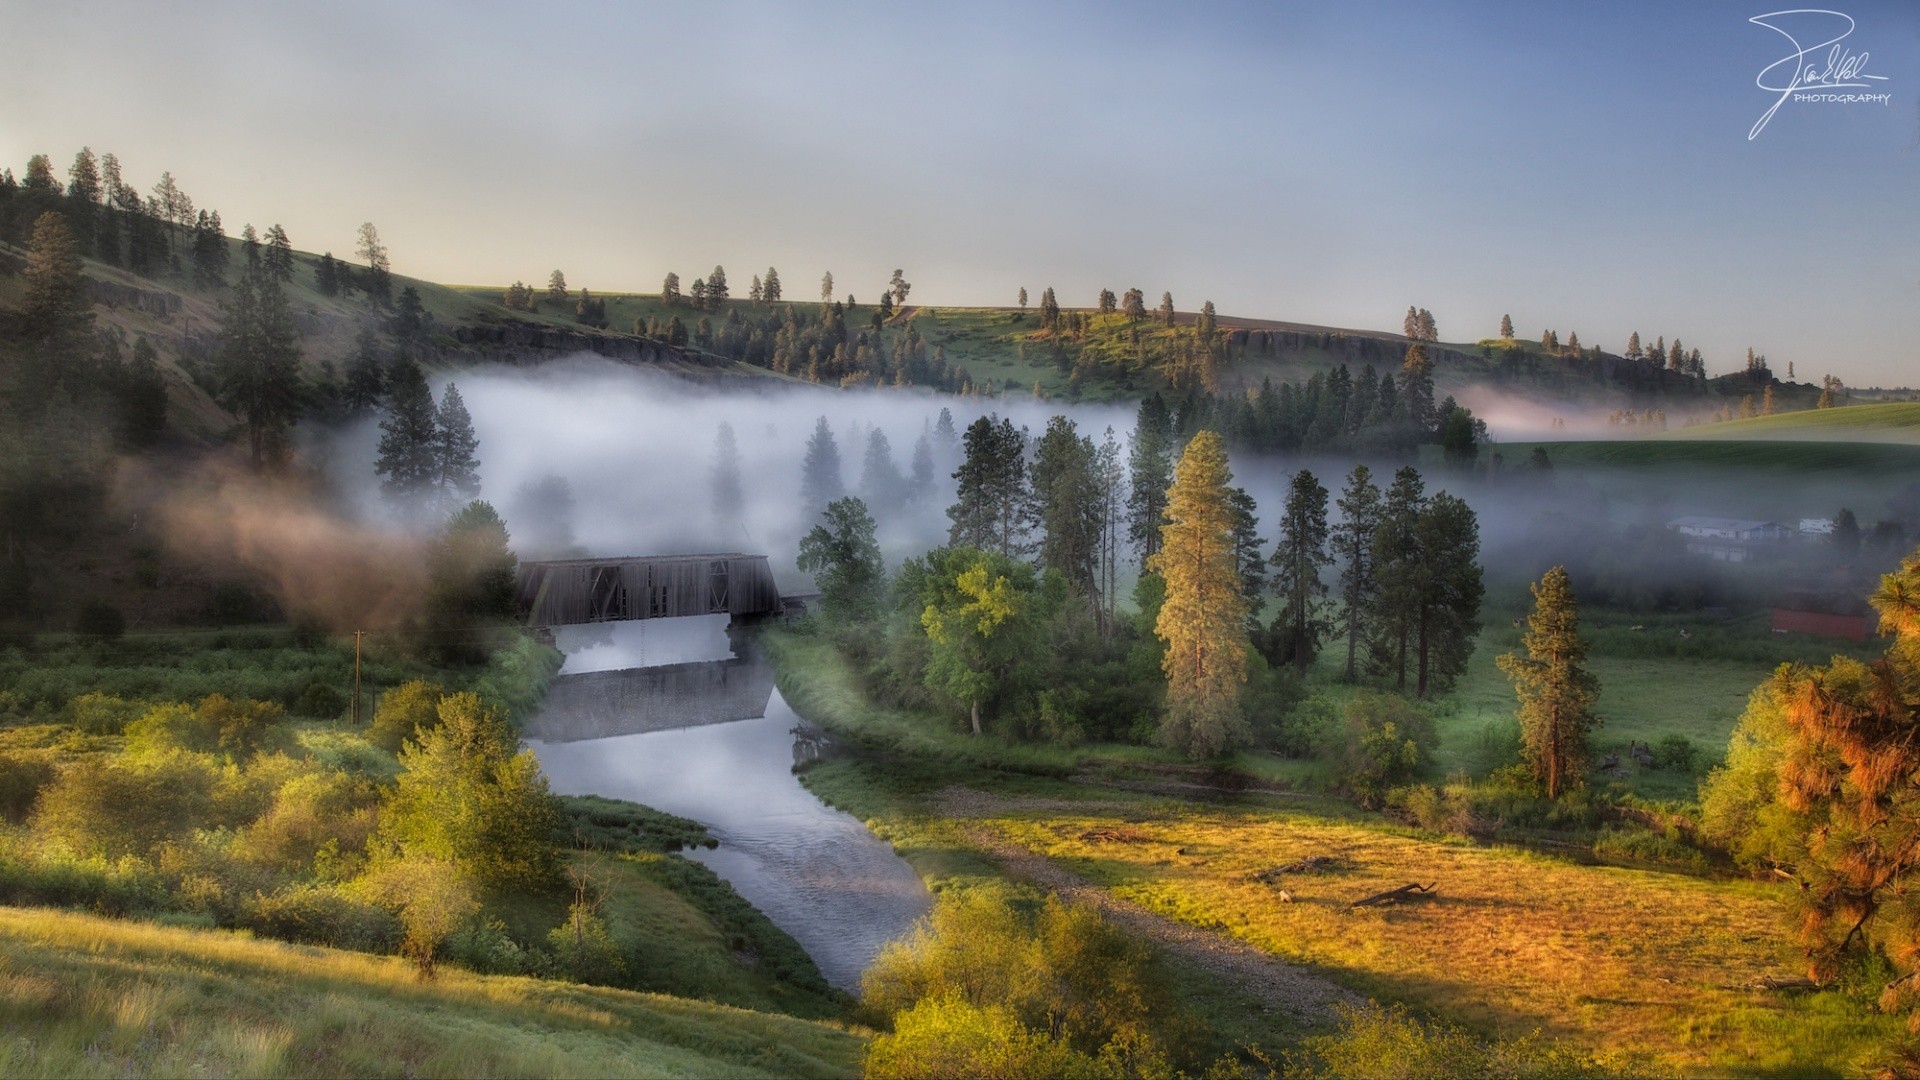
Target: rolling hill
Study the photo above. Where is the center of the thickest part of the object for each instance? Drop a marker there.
(1884, 422)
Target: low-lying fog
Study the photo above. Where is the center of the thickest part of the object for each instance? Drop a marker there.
(637, 448)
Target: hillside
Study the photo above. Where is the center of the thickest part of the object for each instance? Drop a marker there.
(110, 997)
(1887, 422)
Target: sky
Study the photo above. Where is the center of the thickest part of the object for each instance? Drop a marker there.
(1583, 167)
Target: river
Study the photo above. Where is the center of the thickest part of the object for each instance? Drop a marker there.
(666, 715)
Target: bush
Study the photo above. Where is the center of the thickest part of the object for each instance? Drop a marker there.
(103, 714)
(323, 915)
(1387, 741)
(1637, 844)
(115, 808)
(320, 701)
(21, 778)
(403, 712)
(1676, 752)
(949, 1036)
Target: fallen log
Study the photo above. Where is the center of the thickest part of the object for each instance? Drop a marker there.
(1783, 982)
(1318, 864)
(1412, 890)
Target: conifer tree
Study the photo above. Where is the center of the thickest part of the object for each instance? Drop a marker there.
(326, 275)
(1166, 309)
(880, 480)
(1400, 571)
(1066, 506)
(1134, 305)
(408, 464)
(379, 283)
(455, 446)
(1448, 615)
(820, 477)
(1506, 327)
(1634, 351)
(1023, 299)
(55, 312)
(1556, 692)
(843, 558)
(990, 504)
(1298, 557)
(142, 394)
(1107, 303)
(279, 253)
(250, 245)
(670, 289)
(729, 500)
(826, 288)
(898, 288)
(557, 287)
(1049, 308)
(920, 487)
(366, 375)
(1203, 618)
(1410, 326)
(260, 365)
(1416, 390)
(1150, 473)
(1352, 544)
(717, 287)
(770, 286)
(1249, 557)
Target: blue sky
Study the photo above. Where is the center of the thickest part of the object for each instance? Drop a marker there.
(1582, 166)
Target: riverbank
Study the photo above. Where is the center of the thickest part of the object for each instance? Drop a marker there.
(1648, 969)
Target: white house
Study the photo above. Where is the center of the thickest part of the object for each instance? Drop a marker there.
(1816, 526)
(1727, 539)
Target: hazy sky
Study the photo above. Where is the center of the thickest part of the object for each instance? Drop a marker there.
(1582, 166)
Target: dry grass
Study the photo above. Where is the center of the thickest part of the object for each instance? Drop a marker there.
(85, 996)
(1615, 960)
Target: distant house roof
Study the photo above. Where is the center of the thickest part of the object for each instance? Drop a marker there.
(1728, 524)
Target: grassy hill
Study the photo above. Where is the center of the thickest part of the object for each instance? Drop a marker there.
(1886, 422)
(88, 996)
(1748, 451)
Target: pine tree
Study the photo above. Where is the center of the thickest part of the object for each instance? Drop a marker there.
(898, 287)
(1767, 407)
(379, 283)
(557, 287)
(770, 286)
(1298, 557)
(454, 447)
(250, 245)
(820, 477)
(142, 395)
(717, 287)
(880, 480)
(1066, 506)
(990, 500)
(1149, 474)
(1556, 693)
(1352, 544)
(1049, 308)
(1203, 618)
(921, 486)
(1633, 346)
(1410, 326)
(729, 500)
(326, 275)
(1506, 327)
(826, 288)
(1448, 616)
(1107, 303)
(260, 365)
(1134, 305)
(1166, 309)
(366, 375)
(1400, 571)
(1023, 299)
(670, 289)
(843, 558)
(279, 254)
(55, 312)
(407, 462)
(1416, 389)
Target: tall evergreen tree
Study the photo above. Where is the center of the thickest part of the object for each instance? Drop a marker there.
(379, 283)
(843, 558)
(1149, 474)
(1248, 556)
(1556, 692)
(1298, 557)
(820, 476)
(920, 485)
(1400, 570)
(826, 288)
(408, 463)
(1416, 390)
(880, 481)
(717, 287)
(990, 504)
(1352, 544)
(1166, 309)
(366, 375)
(1448, 617)
(1203, 618)
(142, 397)
(729, 499)
(770, 286)
(670, 289)
(55, 312)
(260, 365)
(1066, 506)
(279, 253)
(1506, 327)
(455, 446)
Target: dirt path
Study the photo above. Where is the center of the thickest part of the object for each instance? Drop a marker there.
(1304, 997)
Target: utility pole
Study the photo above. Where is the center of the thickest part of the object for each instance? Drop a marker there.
(356, 677)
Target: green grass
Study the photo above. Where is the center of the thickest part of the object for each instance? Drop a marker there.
(86, 996)
(1897, 422)
(1796, 458)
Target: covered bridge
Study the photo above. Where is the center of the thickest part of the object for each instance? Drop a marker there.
(568, 592)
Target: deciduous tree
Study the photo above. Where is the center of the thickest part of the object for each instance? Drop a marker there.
(843, 558)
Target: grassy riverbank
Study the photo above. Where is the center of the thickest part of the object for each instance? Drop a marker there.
(1654, 970)
(89, 996)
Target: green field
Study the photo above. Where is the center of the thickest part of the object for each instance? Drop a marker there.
(87, 996)
(1891, 422)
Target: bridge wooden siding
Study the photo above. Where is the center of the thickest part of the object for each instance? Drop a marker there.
(568, 592)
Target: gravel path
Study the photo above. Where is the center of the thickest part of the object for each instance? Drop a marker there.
(1304, 997)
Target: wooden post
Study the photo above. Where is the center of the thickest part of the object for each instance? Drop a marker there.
(356, 677)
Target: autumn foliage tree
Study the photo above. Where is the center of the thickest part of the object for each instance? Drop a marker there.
(1203, 620)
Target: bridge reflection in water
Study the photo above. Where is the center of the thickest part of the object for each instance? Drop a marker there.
(601, 704)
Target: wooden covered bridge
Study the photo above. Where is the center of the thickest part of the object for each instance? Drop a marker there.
(569, 592)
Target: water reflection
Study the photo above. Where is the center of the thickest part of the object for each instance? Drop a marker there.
(715, 742)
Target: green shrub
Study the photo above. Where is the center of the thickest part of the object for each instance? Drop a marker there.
(948, 1036)
(104, 714)
(1640, 844)
(319, 700)
(1387, 740)
(1676, 752)
(100, 622)
(403, 712)
(21, 778)
(323, 915)
(115, 808)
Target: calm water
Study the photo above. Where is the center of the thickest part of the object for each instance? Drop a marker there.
(710, 739)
